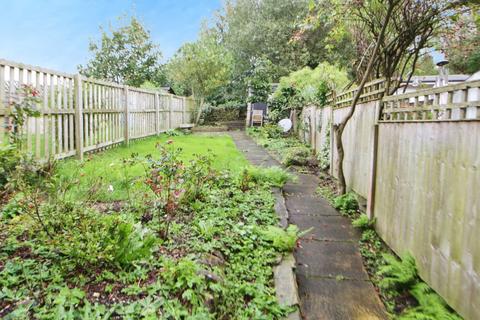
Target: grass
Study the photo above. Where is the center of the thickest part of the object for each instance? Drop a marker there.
(106, 169)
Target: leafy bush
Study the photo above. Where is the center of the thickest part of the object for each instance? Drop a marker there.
(274, 176)
(282, 240)
(306, 87)
(88, 237)
(131, 242)
(174, 132)
(9, 159)
(430, 305)
(363, 222)
(324, 153)
(398, 274)
(214, 114)
(300, 156)
(272, 131)
(347, 203)
(14, 207)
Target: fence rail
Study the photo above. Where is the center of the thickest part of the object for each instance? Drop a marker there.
(457, 102)
(80, 114)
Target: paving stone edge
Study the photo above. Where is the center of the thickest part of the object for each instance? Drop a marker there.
(284, 275)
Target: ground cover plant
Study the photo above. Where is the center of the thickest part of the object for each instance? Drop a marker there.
(181, 240)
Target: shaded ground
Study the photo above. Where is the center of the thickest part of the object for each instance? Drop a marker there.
(332, 281)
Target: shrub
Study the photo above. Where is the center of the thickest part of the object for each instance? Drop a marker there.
(300, 156)
(346, 203)
(9, 159)
(90, 238)
(131, 242)
(228, 112)
(363, 222)
(398, 274)
(272, 131)
(14, 207)
(430, 305)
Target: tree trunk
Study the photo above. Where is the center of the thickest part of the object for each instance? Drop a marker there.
(199, 113)
(339, 128)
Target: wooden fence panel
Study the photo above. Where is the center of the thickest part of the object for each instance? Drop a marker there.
(358, 146)
(103, 114)
(142, 113)
(50, 134)
(108, 113)
(426, 188)
(427, 203)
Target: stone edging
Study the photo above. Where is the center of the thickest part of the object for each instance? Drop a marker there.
(285, 280)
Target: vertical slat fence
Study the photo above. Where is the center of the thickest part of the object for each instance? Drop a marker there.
(79, 114)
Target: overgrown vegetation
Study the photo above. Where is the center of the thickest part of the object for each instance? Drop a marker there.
(289, 150)
(180, 240)
(306, 87)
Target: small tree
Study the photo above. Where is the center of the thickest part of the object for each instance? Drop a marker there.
(201, 67)
(125, 55)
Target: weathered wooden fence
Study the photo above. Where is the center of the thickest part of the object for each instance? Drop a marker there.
(79, 114)
(417, 163)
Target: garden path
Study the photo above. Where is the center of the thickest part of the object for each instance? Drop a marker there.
(332, 281)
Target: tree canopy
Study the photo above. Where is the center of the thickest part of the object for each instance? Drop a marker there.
(125, 55)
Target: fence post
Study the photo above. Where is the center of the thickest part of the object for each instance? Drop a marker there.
(157, 113)
(184, 108)
(332, 138)
(127, 116)
(373, 165)
(78, 116)
(170, 111)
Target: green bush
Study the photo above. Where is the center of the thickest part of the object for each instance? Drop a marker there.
(10, 157)
(214, 114)
(398, 274)
(347, 203)
(272, 131)
(89, 237)
(300, 156)
(430, 305)
(363, 222)
(14, 207)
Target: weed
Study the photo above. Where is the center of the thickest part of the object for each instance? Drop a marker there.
(364, 222)
(346, 203)
(398, 274)
(283, 240)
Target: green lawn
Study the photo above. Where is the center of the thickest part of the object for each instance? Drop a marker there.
(106, 169)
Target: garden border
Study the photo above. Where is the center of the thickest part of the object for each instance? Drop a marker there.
(284, 276)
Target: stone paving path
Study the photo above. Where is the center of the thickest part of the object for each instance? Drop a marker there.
(332, 281)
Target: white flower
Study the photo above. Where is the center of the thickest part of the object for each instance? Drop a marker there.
(110, 188)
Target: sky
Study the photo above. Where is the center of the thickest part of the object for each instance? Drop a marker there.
(55, 34)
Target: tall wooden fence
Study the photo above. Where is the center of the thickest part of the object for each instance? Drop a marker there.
(417, 163)
(79, 114)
